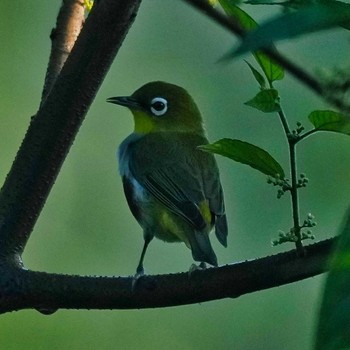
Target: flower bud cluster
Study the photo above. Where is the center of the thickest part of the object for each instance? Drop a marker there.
(295, 134)
(282, 183)
(309, 221)
(303, 181)
(284, 237)
(290, 236)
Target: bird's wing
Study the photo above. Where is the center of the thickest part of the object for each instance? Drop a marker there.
(178, 175)
(214, 193)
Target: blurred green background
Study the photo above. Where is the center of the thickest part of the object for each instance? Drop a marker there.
(86, 226)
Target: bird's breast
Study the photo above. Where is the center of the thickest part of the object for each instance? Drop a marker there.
(137, 191)
(140, 194)
(124, 152)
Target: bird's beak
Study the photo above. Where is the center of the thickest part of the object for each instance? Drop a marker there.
(126, 101)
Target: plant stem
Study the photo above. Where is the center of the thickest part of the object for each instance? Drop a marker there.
(292, 141)
(284, 123)
(294, 195)
(306, 134)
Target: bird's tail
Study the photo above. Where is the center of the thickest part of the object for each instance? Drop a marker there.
(221, 229)
(201, 248)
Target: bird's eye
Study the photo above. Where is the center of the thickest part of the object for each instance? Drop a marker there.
(159, 106)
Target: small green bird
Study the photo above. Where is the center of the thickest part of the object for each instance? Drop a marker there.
(173, 189)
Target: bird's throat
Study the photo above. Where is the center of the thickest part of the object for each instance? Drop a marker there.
(143, 123)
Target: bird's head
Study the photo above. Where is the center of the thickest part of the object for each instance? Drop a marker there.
(160, 106)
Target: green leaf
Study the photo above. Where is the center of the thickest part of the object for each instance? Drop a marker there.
(308, 19)
(242, 17)
(266, 101)
(246, 153)
(333, 326)
(330, 121)
(272, 70)
(259, 78)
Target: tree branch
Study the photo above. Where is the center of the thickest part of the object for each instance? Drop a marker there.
(318, 87)
(22, 289)
(53, 129)
(69, 23)
(46, 144)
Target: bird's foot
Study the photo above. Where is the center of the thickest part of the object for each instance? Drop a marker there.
(139, 273)
(194, 267)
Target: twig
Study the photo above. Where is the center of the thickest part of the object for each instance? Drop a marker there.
(234, 27)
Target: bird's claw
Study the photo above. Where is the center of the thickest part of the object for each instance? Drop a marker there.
(194, 267)
(139, 273)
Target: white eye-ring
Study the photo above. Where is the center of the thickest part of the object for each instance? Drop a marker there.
(159, 106)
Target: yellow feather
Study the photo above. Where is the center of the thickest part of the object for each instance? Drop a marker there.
(143, 123)
(205, 211)
(172, 231)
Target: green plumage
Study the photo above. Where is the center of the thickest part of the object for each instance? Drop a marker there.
(173, 189)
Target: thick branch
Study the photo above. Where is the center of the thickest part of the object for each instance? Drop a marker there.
(52, 130)
(21, 289)
(36, 166)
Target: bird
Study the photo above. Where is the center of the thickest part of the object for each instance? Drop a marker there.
(172, 187)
